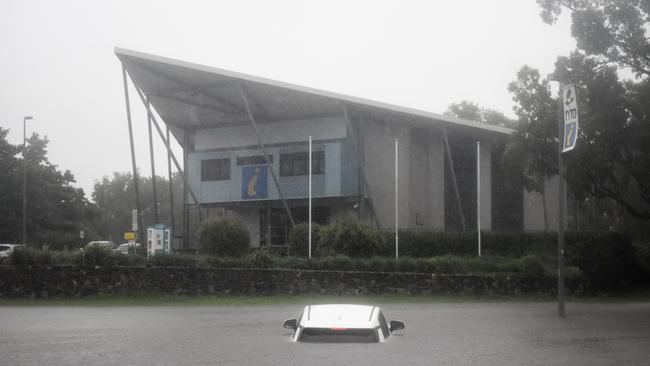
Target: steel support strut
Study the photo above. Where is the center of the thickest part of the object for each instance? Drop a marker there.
(170, 152)
(153, 165)
(171, 186)
(355, 142)
(266, 156)
(135, 169)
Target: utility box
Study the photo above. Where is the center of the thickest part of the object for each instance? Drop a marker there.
(158, 240)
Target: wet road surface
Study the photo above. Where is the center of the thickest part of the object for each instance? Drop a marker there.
(435, 334)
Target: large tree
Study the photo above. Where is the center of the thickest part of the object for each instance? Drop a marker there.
(473, 112)
(612, 157)
(613, 31)
(56, 210)
(115, 198)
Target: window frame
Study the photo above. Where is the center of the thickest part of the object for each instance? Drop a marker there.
(221, 173)
(294, 164)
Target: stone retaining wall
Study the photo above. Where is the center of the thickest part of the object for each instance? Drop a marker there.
(66, 281)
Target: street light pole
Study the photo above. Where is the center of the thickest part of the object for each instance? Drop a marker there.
(25, 119)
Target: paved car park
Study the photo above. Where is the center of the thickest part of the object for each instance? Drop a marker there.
(435, 334)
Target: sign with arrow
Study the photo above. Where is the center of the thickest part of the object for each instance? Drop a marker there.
(570, 117)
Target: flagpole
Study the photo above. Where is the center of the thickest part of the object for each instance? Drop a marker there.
(396, 201)
(478, 194)
(310, 163)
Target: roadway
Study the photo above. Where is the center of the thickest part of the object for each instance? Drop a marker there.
(435, 334)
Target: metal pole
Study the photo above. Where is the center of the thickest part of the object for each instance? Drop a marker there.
(135, 169)
(186, 190)
(266, 156)
(450, 159)
(396, 200)
(171, 186)
(310, 162)
(153, 165)
(561, 198)
(25, 119)
(478, 194)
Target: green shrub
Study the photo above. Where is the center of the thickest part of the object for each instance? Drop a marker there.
(223, 237)
(642, 248)
(608, 262)
(227, 262)
(382, 264)
(259, 259)
(299, 239)
(407, 264)
(350, 237)
(424, 244)
(532, 266)
(97, 256)
(448, 265)
(174, 260)
(35, 257)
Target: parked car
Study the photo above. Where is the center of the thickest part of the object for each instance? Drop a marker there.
(338, 323)
(7, 249)
(124, 248)
(101, 243)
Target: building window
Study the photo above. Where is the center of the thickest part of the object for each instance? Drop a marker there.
(293, 164)
(215, 169)
(253, 160)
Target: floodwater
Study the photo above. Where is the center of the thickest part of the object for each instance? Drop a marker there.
(435, 334)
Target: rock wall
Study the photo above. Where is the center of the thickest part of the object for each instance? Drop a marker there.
(67, 281)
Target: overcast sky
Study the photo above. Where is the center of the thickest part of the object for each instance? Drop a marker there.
(58, 63)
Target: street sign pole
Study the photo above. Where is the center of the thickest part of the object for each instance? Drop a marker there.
(560, 226)
(567, 137)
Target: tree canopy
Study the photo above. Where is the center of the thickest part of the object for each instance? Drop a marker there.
(473, 112)
(612, 156)
(56, 210)
(115, 198)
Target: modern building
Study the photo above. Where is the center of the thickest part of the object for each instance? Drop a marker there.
(245, 143)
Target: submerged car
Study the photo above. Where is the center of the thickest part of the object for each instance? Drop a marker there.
(339, 323)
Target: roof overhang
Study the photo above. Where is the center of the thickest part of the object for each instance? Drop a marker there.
(189, 96)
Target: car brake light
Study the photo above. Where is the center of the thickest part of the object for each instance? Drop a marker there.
(338, 328)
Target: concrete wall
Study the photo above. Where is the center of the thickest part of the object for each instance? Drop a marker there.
(378, 147)
(426, 188)
(486, 186)
(420, 171)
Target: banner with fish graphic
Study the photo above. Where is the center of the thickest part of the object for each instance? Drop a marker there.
(253, 182)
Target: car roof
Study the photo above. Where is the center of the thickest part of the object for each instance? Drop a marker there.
(340, 316)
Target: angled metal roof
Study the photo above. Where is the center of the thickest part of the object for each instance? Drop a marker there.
(192, 96)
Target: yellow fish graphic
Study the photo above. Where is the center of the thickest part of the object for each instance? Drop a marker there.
(253, 182)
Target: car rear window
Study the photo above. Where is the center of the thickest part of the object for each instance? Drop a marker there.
(338, 335)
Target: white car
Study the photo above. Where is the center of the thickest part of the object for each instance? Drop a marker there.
(338, 323)
(7, 249)
(124, 248)
(101, 244)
